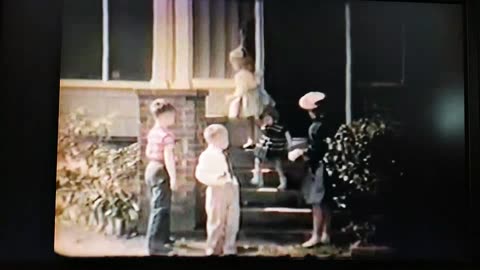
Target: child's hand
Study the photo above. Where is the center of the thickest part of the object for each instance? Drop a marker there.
(259, 74)
(223, 177)
(150, 182)
(174, 185)
(295, 154)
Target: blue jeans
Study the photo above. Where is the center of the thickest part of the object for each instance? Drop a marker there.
(158, 231)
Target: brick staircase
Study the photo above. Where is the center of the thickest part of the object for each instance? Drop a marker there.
(268, 213)
(272, 215)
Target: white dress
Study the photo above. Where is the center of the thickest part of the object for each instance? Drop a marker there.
(248, 94)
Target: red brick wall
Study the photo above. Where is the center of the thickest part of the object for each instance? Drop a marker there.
(188, 129)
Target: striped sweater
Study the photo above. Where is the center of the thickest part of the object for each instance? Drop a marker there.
(272, 143)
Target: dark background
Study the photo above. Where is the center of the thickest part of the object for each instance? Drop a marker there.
(430, 206)
(305, 51)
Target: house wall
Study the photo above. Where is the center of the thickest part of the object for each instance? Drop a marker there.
(173, 78)
(123, 103)
(102, 102)
(185, 55)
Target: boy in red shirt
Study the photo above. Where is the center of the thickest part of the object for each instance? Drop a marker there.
(160, 176)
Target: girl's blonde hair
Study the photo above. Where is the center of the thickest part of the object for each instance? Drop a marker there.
(242, 58)
(160, 106)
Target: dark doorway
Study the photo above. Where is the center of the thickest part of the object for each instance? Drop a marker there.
(407, 66)
(305, 51)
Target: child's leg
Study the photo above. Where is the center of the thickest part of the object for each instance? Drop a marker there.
(232, 220)
(215, 208)
(234, 108)
(281, 174)
(257, 173)
(158, 231)
(252, 133)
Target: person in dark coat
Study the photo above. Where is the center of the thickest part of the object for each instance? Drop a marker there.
(315, 186)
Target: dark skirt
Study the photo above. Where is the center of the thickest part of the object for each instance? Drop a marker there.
(158, 231)
(315, 187)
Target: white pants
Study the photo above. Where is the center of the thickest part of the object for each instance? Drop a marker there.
(223, 219)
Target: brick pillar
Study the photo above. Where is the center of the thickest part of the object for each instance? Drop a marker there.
(190, 122)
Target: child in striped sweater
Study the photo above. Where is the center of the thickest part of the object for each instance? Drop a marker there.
(272, 146)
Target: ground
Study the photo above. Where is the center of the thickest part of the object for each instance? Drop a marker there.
(78, 242)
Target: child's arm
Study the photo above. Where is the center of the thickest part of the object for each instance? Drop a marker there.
(210, 171)
(289, 139)
(169, 157)
(258, 76)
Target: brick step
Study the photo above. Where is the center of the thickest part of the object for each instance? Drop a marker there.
(244, 158)
(241, 158)
(285, 218)
(216, 120)
(276, 218)
(270, 177)
(271, 197)
(239, 131)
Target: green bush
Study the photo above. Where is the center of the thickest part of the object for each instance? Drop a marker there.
(349, 166)
(348, 159)
(93, 179)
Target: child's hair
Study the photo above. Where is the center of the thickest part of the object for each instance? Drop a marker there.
(248, 63)
(243, 59)
(212, 131)
(270, 111)
(159, 106)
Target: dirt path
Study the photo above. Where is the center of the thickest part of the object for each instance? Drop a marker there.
(77, 242)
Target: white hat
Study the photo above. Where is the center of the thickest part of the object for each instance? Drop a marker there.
(309, 100)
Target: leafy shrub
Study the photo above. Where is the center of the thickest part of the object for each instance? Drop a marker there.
(93, 179)
(348, 159)
(353, 174)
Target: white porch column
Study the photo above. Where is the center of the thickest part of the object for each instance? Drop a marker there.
(202, 39)
(259, 41)
(348, 67)
(218, 43)
(162, 64)
(105, 41)
(183, 44)
(233, 33)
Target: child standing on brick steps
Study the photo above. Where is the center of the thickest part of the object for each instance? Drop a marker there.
(160, 176)
(222, 202)
(272, 146)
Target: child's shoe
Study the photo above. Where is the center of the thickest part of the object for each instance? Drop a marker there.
(257, 181)
(283, 183)
(325, 239)
(249, 144)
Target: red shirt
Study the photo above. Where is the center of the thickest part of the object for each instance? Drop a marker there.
(157, 139)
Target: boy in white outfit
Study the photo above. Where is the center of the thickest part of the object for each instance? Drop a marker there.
(222, 196)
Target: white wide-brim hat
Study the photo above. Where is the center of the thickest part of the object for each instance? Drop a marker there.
(309, 100)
